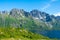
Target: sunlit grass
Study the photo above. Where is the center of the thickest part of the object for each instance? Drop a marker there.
(13, 33)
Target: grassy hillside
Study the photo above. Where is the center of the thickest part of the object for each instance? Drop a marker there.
(18, 33)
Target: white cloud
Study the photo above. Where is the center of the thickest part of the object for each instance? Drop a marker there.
(57, 14)
(46, 6)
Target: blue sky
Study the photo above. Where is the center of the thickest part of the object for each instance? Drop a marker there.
(48, 6)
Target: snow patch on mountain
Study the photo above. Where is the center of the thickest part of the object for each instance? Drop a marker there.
(57, 14)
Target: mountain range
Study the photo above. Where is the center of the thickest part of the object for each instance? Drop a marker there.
(35, 21)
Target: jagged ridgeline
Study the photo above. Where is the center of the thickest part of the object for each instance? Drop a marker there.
(34, 21)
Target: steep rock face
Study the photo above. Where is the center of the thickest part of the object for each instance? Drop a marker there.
(16, 12)
(35, 13)
(40, 15)
(19, 12)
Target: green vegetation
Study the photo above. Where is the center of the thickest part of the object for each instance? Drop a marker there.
(18, 33)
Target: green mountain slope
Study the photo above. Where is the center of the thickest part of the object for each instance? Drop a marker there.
(19, 33)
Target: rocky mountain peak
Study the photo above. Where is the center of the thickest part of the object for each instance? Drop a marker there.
(16, 12)
(40, 15)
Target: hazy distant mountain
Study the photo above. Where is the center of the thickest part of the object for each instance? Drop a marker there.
(58, 17)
